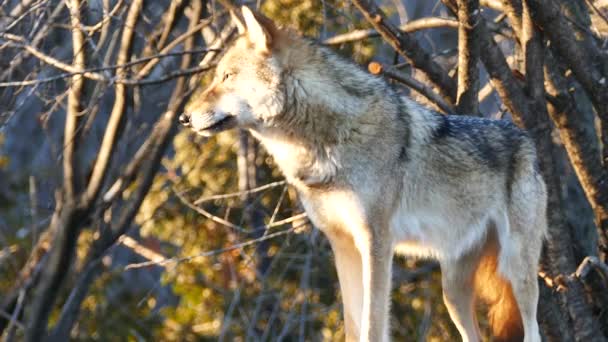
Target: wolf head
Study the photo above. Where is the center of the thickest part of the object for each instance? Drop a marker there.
(246, 89)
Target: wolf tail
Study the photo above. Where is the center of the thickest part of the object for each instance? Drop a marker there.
(496, 291)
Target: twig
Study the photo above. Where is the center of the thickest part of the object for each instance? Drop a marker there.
(240, 193)
(597, 10)
(38, 38)
(236, 298)
(493, 4)
(207, 214)
(139, 249)
(275, 212)
(175, 42)
(10, 330)
(9, 317)
(412, 26)
(125, 81)
(485, 91)
(106, 18)
(23, 15)
(229, 224)
(208, 253)
(169, 20)
(50, 60)
(561, 282)
(304, 287)
(170, 76)
(592, 262)
(377, 68)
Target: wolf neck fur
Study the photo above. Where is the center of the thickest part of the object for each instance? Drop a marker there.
(327, 102)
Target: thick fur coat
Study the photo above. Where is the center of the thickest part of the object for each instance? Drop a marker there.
(379, 173)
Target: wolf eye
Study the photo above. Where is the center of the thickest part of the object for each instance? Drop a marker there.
(226, 75)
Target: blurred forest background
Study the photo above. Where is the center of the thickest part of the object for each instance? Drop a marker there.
(115, 225)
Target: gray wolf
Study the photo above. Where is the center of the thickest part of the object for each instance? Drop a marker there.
(378, 174)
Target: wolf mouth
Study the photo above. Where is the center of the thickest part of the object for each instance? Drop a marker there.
(223, 124)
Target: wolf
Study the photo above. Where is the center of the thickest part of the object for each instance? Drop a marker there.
(380, 174)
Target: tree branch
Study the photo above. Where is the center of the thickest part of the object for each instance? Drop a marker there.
(580, 142)
(377, 68)
(582, 61)
(112, 129)
(409, 48)
(67, 230)
(154, 148)
(586, 327)
(412, 26)
(468, 55)
(70, 164)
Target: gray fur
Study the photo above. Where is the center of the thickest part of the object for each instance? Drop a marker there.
(378, 172)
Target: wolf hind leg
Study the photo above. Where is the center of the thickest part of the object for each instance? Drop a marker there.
(527, 234)
(458, 295)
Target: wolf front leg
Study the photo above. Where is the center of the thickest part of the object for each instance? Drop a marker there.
(350, 270)
(376, 251)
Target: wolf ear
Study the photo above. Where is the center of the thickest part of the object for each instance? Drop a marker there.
(238, 22)
(259, 29)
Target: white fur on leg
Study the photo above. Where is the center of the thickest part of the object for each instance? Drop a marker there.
(377, 259)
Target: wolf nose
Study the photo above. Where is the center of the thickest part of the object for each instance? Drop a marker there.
(184, 119)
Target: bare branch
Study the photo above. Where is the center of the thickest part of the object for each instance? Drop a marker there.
(155, 146)
(586, 327)
(581, 145)
(412, 26)
(18, 11)
(112, 129)
(70, 164)
(493, 4)
(468, 55)
(209, 253)
(409, 48)
(207, 214)
(50, 60)
(579, 140)
(106, 19)
(377, 68)
(145, 70)
(584, 63)
(38, 38)
(67, 232)
(126, 81)
(592, 262)
(230, 224)
(14, 323)
(513, 10)
(11, 319)
(240, 193)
